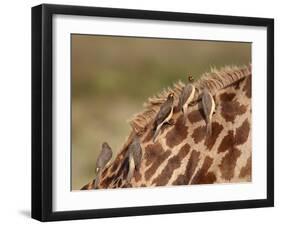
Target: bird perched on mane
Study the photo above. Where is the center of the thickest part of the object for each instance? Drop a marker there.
(164, 115)
(134, 156)
(208, 104)
(103, 158)
(185, 98)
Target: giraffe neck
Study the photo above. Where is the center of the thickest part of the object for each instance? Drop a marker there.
(183, 154)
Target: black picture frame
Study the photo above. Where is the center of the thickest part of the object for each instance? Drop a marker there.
(42, 111)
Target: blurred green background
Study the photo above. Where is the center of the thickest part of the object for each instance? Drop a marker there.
(113, 76)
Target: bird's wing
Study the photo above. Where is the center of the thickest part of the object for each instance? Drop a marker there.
(138, 156)
(207, 103)
(185, 94)
(99, 161)
(163, 113)
(104, 157)
(108, 154)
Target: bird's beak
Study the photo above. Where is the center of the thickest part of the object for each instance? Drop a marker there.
(97, 170)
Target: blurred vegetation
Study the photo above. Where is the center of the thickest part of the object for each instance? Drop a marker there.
(113, 76)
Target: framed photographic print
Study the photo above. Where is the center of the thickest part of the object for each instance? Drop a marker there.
(145, 112)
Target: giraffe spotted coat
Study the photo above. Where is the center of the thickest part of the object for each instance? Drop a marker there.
(183, 154)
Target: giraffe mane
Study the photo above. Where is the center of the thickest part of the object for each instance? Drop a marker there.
(214, 81)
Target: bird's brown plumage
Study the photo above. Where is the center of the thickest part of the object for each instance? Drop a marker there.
(185, 98)
(208, 105)
(164, 114)
(103, 158)
(135, 157)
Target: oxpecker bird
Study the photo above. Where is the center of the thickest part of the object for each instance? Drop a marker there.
(186, 97)
(164, 115)
(208, 104)
(135, 156)
(103, 158)
(190, 78)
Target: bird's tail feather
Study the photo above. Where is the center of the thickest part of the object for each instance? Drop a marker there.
(97, 180)
(131, 168)
(209, 129)
(155, 135)
(184, 114)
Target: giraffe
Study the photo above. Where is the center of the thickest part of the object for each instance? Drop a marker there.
(183, 153)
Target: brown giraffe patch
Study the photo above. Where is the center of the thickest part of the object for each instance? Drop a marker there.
(211, 140)
(181, 180)
(119, 158)
(203, 176)
(123, 169)
(177, 134)
(152, 151)
(149, 136)
(242, 133)
(248, 87)
(231, 109)
(190, 168)
(158, 160)
(227, 142)
(246, 171)
(227, 96)
(173, 163)
(228, 163)
(198, 134)
(137, 176)
(107, 181)
(196, 116)
(184, 149)
(114, 167)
